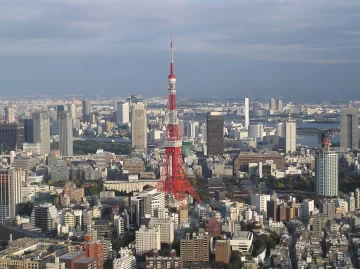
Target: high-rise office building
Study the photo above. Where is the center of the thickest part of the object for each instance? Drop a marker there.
(29, 130)
(41, 122)
(122, 112)
(72, 110)
(65, 132)
(215, 133)
(9, 114)
(86, 106)
(273, 104)
(349, 122)
(280, 129)
(10, 192)
(139, 127)
(290, 136)
(326, 173)
(11, 136)
(280, 105)
(246, 112)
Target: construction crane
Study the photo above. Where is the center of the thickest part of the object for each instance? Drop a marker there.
(327, 136)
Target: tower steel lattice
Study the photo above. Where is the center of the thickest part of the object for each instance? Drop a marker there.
(173, 179)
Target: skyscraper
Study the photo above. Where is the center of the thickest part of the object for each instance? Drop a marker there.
(349, 122)
(86, 110)
(139, 127)
(41, 121)
(10, 192)
(290, 136)
(326, 173)
(72, 110)
(29, 130)
(11, 136)
(273, 104)
(122, 112)
(246, 112)
(215, 133)
(9, 114)
(279, 105)
(65, 132)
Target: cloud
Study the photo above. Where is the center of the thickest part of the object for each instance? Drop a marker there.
(311, 31)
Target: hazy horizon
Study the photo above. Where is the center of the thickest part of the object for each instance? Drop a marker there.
(302, 50)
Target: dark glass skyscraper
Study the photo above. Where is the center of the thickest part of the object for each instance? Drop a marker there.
(215, 134)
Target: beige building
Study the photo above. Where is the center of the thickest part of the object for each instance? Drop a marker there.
(138, 127)
(195, 249)
(146, 240)
(166, 227)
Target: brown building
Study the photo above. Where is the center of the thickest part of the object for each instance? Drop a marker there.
(78, 260)
(195, 249)
(222, 251)
(159, 262)
(290, 212)
(272, 210)
(134, 165)
(95, 249)
(245, 158)
(212, 227)
(281, 213)
(75, 194)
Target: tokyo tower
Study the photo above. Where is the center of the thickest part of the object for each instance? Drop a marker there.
(173, 179)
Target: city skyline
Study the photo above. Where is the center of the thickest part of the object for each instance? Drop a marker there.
(288, 48)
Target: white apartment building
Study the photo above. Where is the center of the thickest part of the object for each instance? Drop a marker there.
(119, 225)
(307, 207)
(166, 227)
(260, 201)
(290, 136)
(122, 112)
(326, 173)
(146, 240)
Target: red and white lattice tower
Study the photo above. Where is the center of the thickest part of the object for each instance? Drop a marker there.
(173, 179)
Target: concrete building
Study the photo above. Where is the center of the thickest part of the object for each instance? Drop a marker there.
(11, 136)
(139, 127)
(195, 249)
(260, 201)
(349, 121)
(94, 249)
(280, 129)
(29, 130)
(290, 136)
(215, 134)
(242, 241)
(212, 227)
(256, 131)
(78, 260)
(10, 192)
(222, 251)
(56, 264)
(279, 105)
(247, 112)
(72, 110)
(45, 217)
(65, 132)
(147, 239)
(326, 173)
(9, 114)
(159, 262)
(86, 108)
(272, 104)
(41, 121)
(126, 261)
(122, 112)
(166, 227)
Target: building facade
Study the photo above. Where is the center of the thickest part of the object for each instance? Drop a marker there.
(10, 192)
(122, 112)
(326, 173)
(290, 136)
(139, 127)
(146, 240)
(65, 133)
(215, 134)
(41, 121)
(349, 121)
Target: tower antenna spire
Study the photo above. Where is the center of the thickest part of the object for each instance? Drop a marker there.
(171, 57)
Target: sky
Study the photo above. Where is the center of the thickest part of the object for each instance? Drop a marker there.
(301, 50)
